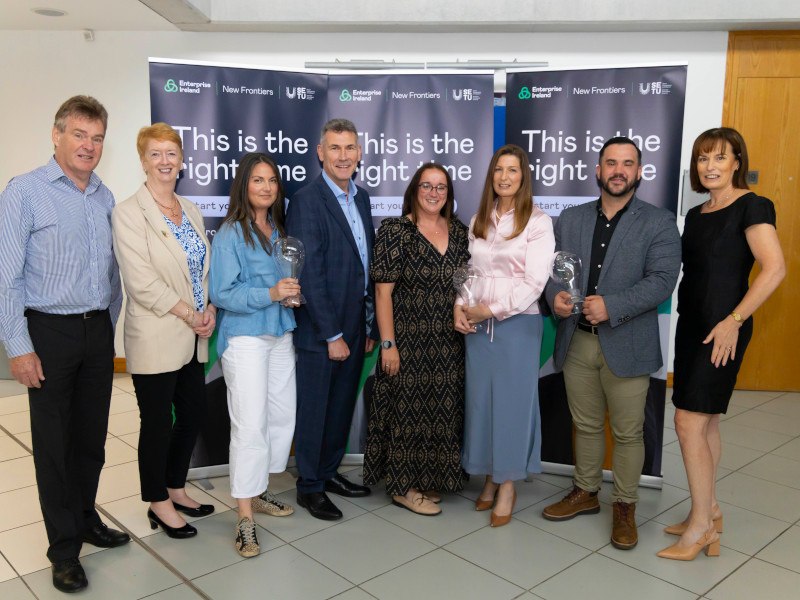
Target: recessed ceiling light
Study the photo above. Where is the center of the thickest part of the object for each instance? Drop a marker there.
(49, 12)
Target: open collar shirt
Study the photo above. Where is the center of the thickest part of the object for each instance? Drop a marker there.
(56, 252)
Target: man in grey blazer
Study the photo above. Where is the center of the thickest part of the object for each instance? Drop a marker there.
(631, 256)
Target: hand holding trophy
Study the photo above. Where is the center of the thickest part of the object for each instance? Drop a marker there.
(290, 255)
(467, 280)
(565, 269)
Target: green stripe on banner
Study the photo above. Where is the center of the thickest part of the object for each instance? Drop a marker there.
(665, 307)
(370, 360)
(212, 352)
(548, 339)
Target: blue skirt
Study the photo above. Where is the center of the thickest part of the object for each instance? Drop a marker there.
(502, 425)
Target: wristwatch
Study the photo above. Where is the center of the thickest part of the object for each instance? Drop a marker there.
(736, 317)
(387, 344)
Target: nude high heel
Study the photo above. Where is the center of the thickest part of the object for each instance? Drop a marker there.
(481, 504)
(708, 541)
(496, 520)
(680, 528)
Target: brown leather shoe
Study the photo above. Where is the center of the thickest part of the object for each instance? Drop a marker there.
(577, 502)
(623, 533)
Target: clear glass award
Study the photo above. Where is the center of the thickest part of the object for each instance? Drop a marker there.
(565, 269)
(290, 254)
(468, 282)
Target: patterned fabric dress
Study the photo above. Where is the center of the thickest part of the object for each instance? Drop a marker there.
(416, 418)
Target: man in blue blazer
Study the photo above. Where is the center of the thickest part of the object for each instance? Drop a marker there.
(333, 219)
(631, 256)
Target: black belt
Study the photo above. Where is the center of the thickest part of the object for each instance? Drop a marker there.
(29, 312)
(589, 328)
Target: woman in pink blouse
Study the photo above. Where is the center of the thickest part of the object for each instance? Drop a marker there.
(511, 243)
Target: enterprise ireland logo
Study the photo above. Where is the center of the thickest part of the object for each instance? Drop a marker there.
(185, 87)
(535, 91)
(359, 95)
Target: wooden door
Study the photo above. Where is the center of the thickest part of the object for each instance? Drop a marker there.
(762, 101)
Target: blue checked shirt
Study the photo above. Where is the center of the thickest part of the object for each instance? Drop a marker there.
(56, 253)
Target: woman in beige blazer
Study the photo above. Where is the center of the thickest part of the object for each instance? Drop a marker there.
(163, 254)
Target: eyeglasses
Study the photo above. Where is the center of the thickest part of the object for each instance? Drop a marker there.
(427, 187)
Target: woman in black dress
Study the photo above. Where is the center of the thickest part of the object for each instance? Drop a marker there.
(721, 239)
(416, 417)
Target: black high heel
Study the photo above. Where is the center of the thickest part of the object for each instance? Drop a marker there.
(180, 533)
(201, 511)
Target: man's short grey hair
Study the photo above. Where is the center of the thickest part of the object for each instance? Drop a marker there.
(338, 126)
(84, 107)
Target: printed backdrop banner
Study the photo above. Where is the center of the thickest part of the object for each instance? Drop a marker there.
(223, 112)
(405, 120)
(562, 118)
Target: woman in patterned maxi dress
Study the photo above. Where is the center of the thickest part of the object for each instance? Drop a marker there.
(417, 411)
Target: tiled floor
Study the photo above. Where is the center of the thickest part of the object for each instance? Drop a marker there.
(381, 551)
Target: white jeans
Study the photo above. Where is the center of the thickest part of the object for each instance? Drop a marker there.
(260, 374)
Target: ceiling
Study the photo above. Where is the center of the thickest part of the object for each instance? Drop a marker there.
(406, 16)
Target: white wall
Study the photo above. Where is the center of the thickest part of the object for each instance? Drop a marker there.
(41, 69)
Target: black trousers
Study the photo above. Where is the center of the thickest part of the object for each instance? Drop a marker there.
(166, 443)
(69, 422)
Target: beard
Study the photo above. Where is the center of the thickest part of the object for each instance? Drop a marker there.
(632, 185)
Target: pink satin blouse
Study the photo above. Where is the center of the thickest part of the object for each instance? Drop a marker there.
(514, 270)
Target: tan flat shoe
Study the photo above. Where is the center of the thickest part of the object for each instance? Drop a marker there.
(419, 505)
(433, 496)
(709, 542)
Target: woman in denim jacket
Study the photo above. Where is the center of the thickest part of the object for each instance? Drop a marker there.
(254, 341)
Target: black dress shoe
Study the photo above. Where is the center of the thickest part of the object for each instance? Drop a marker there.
(102, 536)
(201, 511)
(344, 487)
(68, 575)
(179, 533)
(319, 505)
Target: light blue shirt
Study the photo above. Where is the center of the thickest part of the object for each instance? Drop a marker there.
(239, 280)
(56, 253)
(347, 202)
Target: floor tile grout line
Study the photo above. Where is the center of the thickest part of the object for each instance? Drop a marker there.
(18, 575)
(160, 559)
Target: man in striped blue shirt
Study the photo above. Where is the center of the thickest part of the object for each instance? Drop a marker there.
(60, 296)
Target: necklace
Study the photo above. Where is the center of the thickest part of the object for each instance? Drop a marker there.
(173, 212)
(434, 231)
(713, 204)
